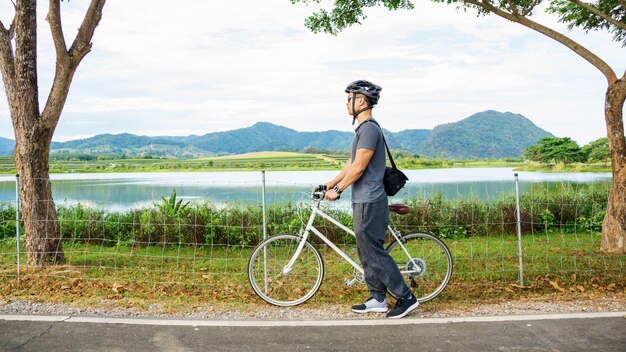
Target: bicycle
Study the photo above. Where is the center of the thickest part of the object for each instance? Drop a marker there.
(287, 270)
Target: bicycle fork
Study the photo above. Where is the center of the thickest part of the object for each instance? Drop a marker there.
(305, 235)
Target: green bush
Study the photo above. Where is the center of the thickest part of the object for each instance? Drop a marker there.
(565, 202)
(7, 221)
(7, 230)
(544, 207)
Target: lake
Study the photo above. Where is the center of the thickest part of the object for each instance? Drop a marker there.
(121, 191)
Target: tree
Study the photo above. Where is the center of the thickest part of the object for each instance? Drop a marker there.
(34, 128)
(555, 150)
(598, 150)
(607, 15)
(534, 153)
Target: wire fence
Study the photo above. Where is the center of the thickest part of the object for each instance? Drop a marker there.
(200, 229)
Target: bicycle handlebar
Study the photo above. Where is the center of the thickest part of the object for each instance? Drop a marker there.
(320, 195)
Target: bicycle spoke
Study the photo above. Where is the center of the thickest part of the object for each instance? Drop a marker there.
(265, 271)
(429, 268)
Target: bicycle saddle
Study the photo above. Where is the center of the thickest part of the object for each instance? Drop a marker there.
(400, 208)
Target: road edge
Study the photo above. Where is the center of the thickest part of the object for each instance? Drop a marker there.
(297, 323)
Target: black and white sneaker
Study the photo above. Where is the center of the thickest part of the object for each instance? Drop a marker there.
(403, 307)
(371, 306)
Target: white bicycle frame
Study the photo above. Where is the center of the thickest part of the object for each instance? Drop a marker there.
(310, 228)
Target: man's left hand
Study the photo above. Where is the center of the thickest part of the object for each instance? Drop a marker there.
(331, 195)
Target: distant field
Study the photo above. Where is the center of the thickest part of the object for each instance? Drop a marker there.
(257, 155)
(284, 161)
(6, 165)
(252, 161)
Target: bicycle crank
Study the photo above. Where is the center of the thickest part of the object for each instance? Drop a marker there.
(416, 268)
(358, 277)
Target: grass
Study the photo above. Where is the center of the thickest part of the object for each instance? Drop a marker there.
(183, 277)
(574, 167)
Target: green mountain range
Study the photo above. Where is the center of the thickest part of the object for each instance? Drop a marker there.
(487, 134)
(6, 146)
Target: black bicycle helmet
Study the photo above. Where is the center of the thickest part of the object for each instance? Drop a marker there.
(369, 89)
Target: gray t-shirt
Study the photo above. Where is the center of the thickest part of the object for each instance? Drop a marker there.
(369, 188)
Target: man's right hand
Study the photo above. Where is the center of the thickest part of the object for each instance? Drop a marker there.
(331, 195)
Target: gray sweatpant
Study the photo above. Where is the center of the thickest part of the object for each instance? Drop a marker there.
(381, 272)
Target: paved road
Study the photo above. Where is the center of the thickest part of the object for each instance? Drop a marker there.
(573, 332)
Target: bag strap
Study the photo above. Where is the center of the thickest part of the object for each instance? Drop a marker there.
(393, 165)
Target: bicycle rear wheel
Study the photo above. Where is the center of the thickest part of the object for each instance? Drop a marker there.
(431, 268)
(265, 271)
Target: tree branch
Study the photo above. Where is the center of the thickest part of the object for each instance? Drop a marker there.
(583, 52)
(531, 8)
(7, 61)
(599, 13)
(82, 43)
(54, 20)
(12, 26)
(66, 68)
(25, 61)
(513, 7)
(10, 31)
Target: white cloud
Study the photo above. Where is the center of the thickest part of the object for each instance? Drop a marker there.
(159, 68)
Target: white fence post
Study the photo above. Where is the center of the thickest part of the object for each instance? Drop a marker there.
(519, 232)
(263, 199)
(264, 230)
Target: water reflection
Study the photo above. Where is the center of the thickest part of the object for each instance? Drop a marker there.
(132, 190)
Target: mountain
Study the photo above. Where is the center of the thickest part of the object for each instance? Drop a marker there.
(410, 140)
(6, 146)
(488, 134)
(264, 136)
(129, 144)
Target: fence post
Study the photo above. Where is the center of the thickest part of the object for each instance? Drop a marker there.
(264, 229)
(519, 232)
(17, 222)
(263, 199)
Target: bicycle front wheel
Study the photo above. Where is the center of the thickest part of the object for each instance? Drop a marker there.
(428, 268)
(273, 283)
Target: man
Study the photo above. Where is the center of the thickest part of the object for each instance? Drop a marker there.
(365, 171)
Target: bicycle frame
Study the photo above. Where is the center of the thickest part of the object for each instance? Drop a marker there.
(310, 228)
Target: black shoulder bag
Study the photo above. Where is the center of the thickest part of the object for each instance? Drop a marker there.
(394, 179)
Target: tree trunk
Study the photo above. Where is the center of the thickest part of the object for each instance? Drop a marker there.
(43, 239)
(32, 140)
(614, 225)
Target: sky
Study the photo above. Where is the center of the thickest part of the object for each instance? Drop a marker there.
(194, 67)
